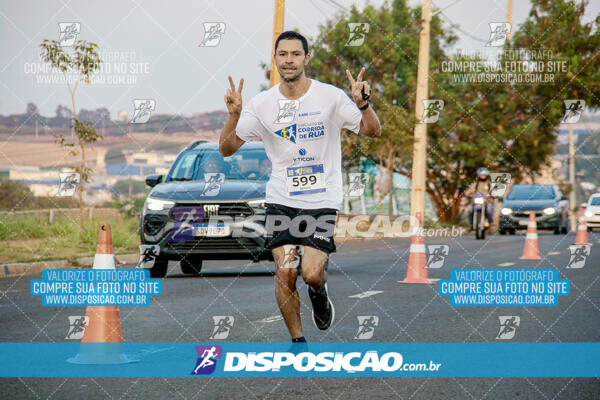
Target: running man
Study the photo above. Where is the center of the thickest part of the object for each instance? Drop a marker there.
(306, 178)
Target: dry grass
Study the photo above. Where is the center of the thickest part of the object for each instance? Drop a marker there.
(43, 152)
(27, 239)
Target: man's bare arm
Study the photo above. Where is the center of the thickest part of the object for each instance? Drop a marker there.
(229, 142)
(369, 124)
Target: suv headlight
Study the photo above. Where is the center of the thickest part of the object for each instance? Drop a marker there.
(478, 200)
(257, 203)
(588, 214)
(506, 211)
(158, 205)
(549, 210)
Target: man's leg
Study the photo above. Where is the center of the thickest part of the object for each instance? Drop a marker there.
(313, 268)
(285, 288)
(314, 262)
(471, 210)
(489, 213)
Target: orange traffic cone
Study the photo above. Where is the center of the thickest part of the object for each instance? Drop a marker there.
(102, 339)
(582, 235)
(531, 251)
(417, 260)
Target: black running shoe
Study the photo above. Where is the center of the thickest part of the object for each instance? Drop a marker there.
(323, 311)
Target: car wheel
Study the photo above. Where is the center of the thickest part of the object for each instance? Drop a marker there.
(159, 269)
(589, 229)
(512, 231)
(502, 231)
(565, 229)
(191, 265)
(557, 230)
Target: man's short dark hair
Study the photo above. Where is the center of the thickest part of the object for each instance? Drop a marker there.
(291, 35)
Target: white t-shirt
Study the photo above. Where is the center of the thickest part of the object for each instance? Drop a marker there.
(303, 141)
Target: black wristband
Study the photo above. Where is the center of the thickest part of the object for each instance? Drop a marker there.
(365, 96)
(363, 108)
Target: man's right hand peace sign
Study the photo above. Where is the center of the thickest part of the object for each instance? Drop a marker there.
(233, 98)
(360, 89)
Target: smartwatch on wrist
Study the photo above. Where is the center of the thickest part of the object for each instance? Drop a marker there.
(363, 108)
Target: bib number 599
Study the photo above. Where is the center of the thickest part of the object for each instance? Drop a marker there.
(304, 180)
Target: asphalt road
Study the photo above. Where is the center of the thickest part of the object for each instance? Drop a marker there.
(407, 313)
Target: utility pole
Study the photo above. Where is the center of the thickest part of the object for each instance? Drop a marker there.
(509, 18)
(572, 195)
(496, 216)
(277, 30)
(417, 203)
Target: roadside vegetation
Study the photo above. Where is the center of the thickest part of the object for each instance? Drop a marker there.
(30, 236)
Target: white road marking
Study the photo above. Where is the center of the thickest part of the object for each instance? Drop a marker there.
(554, 253)
(506, 264)
(363, 295)
(272, 318)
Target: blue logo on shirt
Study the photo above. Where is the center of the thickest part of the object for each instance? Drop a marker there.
(288, 133)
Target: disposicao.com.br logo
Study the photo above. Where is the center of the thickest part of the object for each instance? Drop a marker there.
(326, 362)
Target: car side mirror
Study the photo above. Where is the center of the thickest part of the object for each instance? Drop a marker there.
(563, 197)
(153, 180)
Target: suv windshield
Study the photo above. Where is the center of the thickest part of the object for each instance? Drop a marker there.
(595, 201)
(245, 164)
(531, 193)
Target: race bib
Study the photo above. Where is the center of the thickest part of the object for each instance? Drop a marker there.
(305, 180)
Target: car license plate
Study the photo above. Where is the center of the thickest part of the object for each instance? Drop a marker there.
(523, 221)
(212, 230)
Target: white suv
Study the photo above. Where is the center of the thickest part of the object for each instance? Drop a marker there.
(592, 212)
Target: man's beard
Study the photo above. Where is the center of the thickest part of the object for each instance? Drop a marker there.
(294, 78)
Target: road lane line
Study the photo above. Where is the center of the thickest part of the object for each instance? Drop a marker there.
(366, 294)
(506, 264)
(272, 318)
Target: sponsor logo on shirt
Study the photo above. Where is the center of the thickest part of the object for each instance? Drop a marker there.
(311, 131)
(321, 237)
(303, 156)
(308, 114)
(287, 133)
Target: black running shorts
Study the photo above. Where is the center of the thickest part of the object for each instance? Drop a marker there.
(314, 228)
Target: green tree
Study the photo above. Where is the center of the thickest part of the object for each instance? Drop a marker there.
(82, 61)
(130, 187)
(62, 115)
(389, 55)
(13, 194)
(511, 127)
(16, 196)
(33, 114)
(505, 127)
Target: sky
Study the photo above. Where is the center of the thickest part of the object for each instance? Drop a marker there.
(152, 48)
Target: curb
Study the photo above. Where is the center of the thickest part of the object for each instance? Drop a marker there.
(31, 268)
